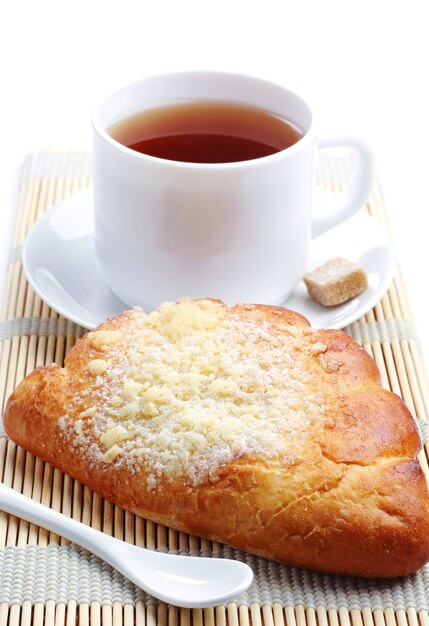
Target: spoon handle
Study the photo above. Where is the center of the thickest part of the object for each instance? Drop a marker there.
(15, 503)
(180, 580)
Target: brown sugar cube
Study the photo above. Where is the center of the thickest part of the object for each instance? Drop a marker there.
(335, 282)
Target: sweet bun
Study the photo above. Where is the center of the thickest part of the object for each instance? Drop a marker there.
(243, 425)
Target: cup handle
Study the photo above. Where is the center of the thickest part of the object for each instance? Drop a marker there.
(333, 208)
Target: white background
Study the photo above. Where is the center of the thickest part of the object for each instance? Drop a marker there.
(361, 64)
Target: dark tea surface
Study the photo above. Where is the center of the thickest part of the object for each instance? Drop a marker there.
(206, 132)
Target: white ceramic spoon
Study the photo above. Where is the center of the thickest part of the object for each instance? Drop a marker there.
(186, 581)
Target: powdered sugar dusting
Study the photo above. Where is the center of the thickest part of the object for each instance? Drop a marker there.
(193, 386)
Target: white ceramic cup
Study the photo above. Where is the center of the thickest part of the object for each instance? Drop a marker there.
(235, 231)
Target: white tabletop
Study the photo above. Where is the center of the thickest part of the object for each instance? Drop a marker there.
(361, 64)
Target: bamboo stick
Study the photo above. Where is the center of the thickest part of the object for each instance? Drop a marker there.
(140, 614)
(38, 614)
(3, 516)
(14, 615)
(344, 616)
(379, 617)
(356, 617)
(423, 617)
(290, 616)
(50, 613)
(95, 614)
(389, 616)
(128, 615)
(150, 615)
(300, 615)
(71, 613)
(26, 613)
(401, 618)
(220, 616)
(4, 613)
(233, 619)
(244, 615)
(60, 614)
(83, 611)
(322, 616)
(162, 615)
(310, 615)
(106, 615)
(16, 484)
(117, 617)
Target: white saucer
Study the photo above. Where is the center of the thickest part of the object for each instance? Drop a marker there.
(60, 264)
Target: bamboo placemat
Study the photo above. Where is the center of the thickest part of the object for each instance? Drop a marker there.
(44, 579)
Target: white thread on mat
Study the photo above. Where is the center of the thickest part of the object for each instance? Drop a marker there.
(15, 254)
(423, 426)
(64, 573)
(56, 164)
(383, 330)
(364, 332)
(335, 166)
(41, 326)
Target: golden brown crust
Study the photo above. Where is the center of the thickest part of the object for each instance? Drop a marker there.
(356, 503)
